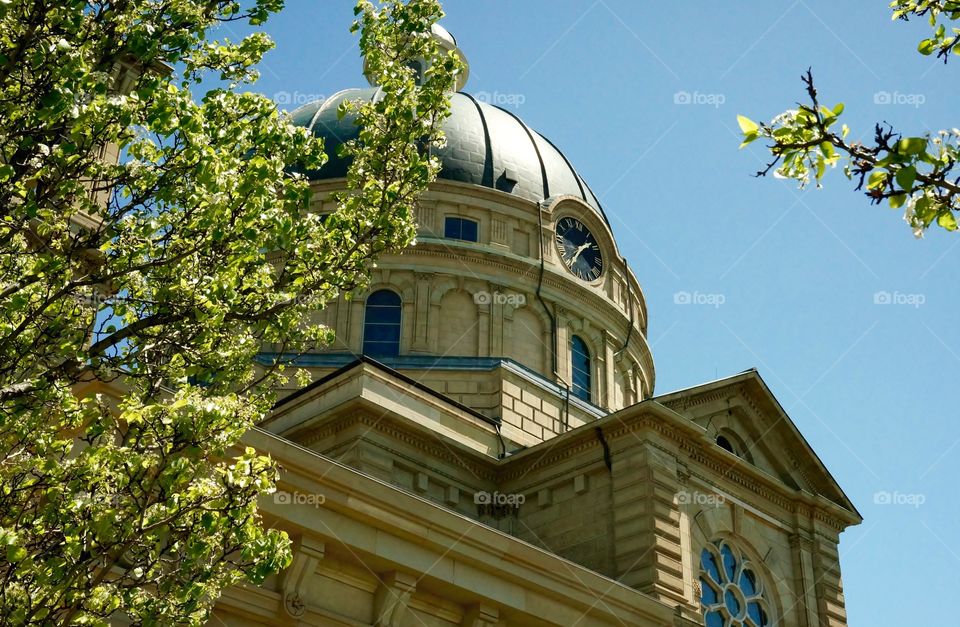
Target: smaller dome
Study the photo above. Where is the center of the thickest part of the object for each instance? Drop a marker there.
(486, 146)
(447, 42)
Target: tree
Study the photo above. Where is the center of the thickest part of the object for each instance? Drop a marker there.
(916, 173)
(163, 273)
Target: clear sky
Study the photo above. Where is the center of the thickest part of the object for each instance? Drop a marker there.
(789, 279)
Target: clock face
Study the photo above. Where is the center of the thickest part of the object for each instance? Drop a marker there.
(579, 249)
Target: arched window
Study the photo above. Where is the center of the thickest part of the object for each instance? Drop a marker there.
(580, 365)
(381, 324)
(731, 592)
(725, 443)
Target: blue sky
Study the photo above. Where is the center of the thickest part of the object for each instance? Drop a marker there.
(869, 384)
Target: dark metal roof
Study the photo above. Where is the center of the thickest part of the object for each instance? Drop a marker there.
(486, 146)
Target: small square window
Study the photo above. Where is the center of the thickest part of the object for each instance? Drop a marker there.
(460, 228)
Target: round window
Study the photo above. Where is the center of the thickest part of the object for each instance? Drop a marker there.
(731, 592)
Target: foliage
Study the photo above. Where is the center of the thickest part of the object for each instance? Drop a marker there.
(160, 277)
(942, 42)
(916, 173)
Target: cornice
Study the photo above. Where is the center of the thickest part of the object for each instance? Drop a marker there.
(707, 464)
(388, 426)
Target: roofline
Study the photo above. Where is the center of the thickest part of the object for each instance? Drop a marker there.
(364, 359)
(752, 375)
(703, 387)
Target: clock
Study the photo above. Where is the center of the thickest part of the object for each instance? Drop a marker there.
(579, 250)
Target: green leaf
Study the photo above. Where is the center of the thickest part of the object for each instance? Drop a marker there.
(747, 125)
(947, 220)
(927, 46)
(926, 210)
(877, 180)
(897, 201)
(912, 145)
(905, 177)
(15, 553)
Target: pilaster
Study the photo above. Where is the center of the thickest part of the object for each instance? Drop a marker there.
(647, 532)
(804, 580)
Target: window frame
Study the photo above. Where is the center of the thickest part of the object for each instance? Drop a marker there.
(461, 220)
(577, 388)
(721, 591)
(369, 346)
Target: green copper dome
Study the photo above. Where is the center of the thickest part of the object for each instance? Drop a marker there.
(486, 146)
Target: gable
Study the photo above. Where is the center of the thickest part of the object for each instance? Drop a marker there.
(742, 411)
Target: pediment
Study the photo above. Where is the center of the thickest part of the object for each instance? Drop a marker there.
(741, 413)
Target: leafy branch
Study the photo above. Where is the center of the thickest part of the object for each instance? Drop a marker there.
(912, 172)
(941, 42)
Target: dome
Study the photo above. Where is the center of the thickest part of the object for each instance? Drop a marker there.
(486, 146)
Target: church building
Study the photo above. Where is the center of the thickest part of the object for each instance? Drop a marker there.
(484, 446)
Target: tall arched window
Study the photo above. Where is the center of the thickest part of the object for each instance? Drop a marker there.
(381, 324)
(580, 365)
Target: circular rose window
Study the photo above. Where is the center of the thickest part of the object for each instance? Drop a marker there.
(731, 592)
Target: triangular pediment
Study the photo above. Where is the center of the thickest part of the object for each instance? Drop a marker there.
(741, 412)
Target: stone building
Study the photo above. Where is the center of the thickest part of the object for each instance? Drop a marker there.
(483, 445)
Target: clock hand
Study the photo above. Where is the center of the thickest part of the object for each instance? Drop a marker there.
(579, 250)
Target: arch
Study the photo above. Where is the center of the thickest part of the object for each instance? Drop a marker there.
(581, 368)
(527, 341)
(382, 314)
(715, 526)
(727, 433)
(459, 332)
